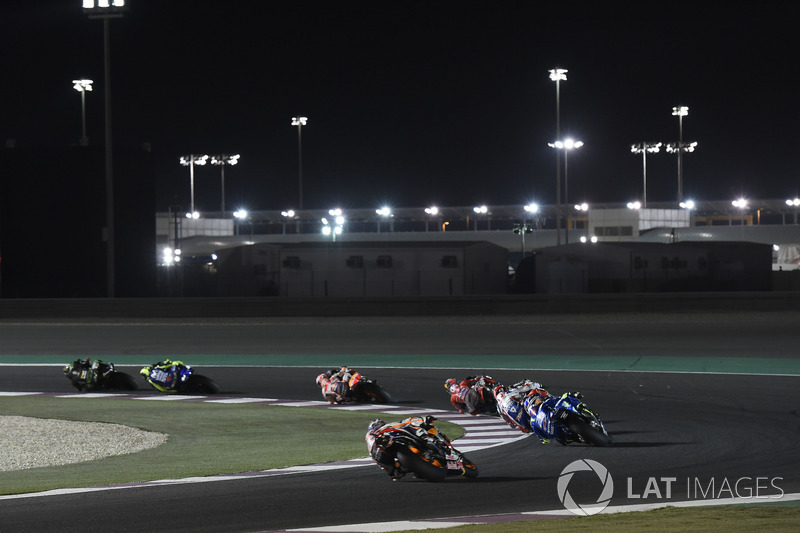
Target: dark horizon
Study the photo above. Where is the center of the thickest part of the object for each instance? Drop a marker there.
(416, 103)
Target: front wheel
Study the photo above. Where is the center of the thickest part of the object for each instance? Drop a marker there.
(373, 393)
(423, 467)
(201, 384)
(588, 434)
(470, 470)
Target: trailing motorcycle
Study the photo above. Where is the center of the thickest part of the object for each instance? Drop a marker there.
(176, 377)
(87, 375)
(418, 447)
(567, 419)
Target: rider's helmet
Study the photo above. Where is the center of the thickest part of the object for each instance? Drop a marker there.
(146, 371)
(375, 424)
(321, 378)
(449, 383)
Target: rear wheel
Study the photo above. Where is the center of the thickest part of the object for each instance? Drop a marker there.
(423, 467)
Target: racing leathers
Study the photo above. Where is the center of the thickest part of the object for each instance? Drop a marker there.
(511, 405)
(334, 384)
(466, 395)
(164, 375)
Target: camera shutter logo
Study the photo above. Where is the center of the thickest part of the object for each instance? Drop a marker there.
(582, 465)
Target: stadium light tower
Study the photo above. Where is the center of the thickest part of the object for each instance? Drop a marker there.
(299, 122)
(680, 112)
(190, 161)
(222, 161)
(558, 75)
(105, 10)
(645, 148)
(82, 86)
(566, 145)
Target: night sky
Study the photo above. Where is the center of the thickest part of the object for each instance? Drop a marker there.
(418, 103)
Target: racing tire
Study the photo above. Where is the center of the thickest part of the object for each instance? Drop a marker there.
(372, 392)
(201, 385)
(421, 466)
(121, 381)
(590, 435)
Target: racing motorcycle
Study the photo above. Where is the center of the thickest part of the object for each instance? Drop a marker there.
(87, 375)
(427, 453)
(484, 387)
(175, 377)
(365, 390)
(567, 419)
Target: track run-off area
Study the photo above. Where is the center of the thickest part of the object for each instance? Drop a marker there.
(702, 409)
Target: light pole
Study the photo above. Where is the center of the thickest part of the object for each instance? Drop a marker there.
(557, 75)
(222, 161)
(680, 112)
(566, 145)
(645, 148)
(190, 161)
(82, 86)
(299, 122)
(106, 10)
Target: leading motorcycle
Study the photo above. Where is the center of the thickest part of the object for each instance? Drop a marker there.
(366, 390)
(176, 377)
(567, 419)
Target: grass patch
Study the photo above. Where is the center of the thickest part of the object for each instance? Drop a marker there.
(204, 439)
(716, 519)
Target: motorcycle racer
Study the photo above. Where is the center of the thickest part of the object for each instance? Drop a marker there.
(164, 374)
(466, 394)
(86, 374)
(380, 446)
(510, 403)
(334, 384)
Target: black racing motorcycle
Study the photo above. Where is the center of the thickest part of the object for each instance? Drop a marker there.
(427, 453)
(87, 375)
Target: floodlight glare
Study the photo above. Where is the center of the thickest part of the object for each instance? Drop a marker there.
(558, 74)
(82, 85)
(288, 214)
(481, 209)
(680, 111)
(741, 203)
(384, 211)
(688, 204)
(634, 205)
(582, 207)
(433, 210)
(793, 202)
(532, 208)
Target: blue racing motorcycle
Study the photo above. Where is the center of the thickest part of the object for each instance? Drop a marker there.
(566, 419)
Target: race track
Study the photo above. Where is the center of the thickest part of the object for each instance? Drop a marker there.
(671, 430)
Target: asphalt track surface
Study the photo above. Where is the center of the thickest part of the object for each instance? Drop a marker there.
(707, 431)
